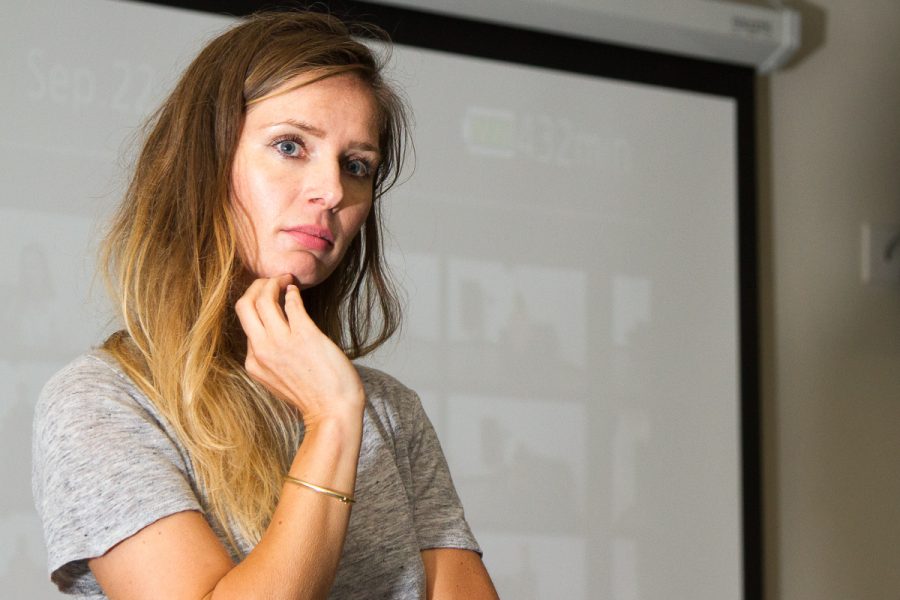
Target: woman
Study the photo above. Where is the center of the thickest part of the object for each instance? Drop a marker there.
(222, 445)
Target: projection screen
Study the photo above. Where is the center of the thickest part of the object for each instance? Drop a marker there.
(569, 246)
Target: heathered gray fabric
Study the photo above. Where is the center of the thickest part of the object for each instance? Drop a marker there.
(107, 464)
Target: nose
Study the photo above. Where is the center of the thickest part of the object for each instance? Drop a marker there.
(323, 185)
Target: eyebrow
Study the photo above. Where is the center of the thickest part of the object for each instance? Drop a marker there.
(320, 133)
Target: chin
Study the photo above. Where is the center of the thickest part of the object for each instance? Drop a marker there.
(306, 274)
(308, 270)
(305, 284)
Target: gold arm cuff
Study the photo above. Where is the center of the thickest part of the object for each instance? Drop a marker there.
(322, 490)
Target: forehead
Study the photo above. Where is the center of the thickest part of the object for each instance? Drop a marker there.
(341, 101)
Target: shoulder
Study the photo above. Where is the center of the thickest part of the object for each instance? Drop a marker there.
(104, 465)
(91, 383)
(385, 392)
(95, 363)
(91, 371)
(396, 405)
(379, 384)
(91, 407)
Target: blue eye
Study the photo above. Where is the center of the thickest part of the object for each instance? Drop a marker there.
(358, 168)
(290, 148)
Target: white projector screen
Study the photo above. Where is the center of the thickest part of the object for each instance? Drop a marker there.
(568, 245)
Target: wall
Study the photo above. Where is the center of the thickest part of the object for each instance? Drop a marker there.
(830, 159)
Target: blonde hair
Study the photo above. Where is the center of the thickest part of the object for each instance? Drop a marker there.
(171, 260)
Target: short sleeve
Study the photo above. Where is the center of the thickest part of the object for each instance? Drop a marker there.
(104, 467)
(439, 517)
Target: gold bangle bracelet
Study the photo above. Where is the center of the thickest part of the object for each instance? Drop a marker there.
(322, 490)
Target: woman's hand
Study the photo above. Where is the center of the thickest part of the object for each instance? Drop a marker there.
(292, 358)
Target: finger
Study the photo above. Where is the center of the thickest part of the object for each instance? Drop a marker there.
(247, 311)
(268, 307)
(255, 369)
(256, 287)
(293, 307)
(247, 314)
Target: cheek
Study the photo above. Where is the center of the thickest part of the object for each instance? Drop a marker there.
(245, 216)
(256, 186)
(354, 220)
(245, 236)
(256, 201)
(361, 217)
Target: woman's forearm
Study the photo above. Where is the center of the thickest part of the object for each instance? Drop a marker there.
(298, 555)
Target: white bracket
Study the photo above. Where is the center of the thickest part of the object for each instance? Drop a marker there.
(881, 255)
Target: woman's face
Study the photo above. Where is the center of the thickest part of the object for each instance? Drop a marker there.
(303, 174)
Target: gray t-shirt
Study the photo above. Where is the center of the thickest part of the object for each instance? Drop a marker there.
(107, 464)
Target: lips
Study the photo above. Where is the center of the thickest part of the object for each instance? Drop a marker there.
(313, 237)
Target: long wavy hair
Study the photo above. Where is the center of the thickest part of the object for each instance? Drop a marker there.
(171, 259)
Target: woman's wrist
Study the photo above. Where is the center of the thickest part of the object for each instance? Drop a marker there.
(341, 426)
(329, 453)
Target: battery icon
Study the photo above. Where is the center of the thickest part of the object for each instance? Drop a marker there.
(490, 132)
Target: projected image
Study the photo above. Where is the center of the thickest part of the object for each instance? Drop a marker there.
(22, 557)
(545, 138)
(15, 440)
(632, 308)
(22, 554)
(537, 566)
(498, 447)
(421, 277)
(578, 245)
(631, 432)
(526, 320)
(626, 575)
(45, 270)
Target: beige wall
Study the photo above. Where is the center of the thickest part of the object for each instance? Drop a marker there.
(830, 159)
